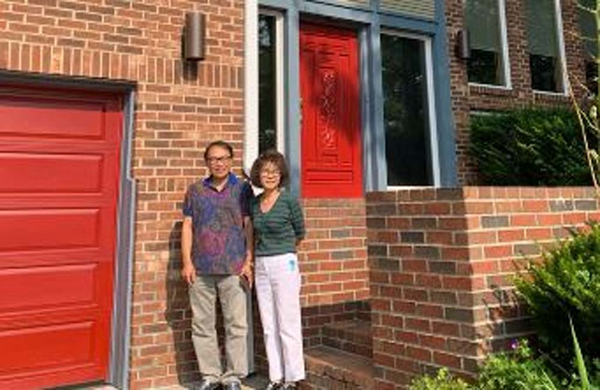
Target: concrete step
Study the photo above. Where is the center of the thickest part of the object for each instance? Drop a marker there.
(354, 336)
(330, 368)
(253, 382)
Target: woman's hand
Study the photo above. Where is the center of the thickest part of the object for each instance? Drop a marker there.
(247, 271)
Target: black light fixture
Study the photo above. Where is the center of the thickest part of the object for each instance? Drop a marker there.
(193, 36)
(463, 49)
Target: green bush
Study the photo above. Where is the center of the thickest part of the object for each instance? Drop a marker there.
(442, 381)
(529, 147)
(518, 370)
(566, 282)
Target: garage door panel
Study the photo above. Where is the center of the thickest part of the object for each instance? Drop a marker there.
(42, 173)
(72, 345)
(48, 229)
(40, 288)
(62, 200)
(72, 119)
(59, 178)
(32, 258)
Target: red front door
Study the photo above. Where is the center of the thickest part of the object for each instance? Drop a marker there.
(59, 175)
(331, 138)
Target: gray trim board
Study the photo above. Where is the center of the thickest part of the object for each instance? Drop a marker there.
(292, 72)
(338, 12)
(375, 176)
(443, 102)
(121, 316)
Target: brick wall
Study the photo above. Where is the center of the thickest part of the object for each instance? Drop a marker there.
(179, 109)
(441, 262)
(335, 284)
(467, 99)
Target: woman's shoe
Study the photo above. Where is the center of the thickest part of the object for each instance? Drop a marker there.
(289, 386)
(274, 386)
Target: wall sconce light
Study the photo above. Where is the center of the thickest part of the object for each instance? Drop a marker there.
(193, 36)
(463, 50)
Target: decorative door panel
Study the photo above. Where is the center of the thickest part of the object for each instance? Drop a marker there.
(331, 139)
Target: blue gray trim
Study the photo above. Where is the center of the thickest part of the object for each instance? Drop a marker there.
(121, 316)
(338, 12)
(374, 138)
(293, 142)
(443, 101)
(406, 23)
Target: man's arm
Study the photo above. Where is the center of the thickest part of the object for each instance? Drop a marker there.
(188, 271)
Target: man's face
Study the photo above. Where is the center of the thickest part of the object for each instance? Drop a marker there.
(218, 161)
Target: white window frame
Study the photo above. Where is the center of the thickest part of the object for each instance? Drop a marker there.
(430, 90)
(252, 144)
(561, 53)
(505, 52)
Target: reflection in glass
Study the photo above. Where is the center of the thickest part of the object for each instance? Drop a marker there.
(542, 45)
(405, 111)
(267, 83)
(485, 66)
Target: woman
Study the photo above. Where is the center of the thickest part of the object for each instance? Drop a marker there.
(278, 228)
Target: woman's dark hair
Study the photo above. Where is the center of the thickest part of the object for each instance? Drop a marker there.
(220, 144)
(275, 158)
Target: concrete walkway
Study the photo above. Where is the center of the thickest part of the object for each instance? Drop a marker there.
(254, 382)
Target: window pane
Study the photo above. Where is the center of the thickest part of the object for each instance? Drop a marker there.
(267, 94)
(587, 27)
(542, 44)
(484, 67)
(541, 28)
(405, 111)
(482, 19)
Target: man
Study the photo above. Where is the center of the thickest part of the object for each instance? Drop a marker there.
(216, 246)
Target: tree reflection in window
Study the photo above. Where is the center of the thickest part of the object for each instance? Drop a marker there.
(405, 111)
(267, 83)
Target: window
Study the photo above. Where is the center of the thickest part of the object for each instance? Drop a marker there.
(587, 28)
(485, 22)
(270, 82)
(408, 110)
(544, 41)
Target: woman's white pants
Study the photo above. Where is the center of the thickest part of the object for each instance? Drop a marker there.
(278, 290)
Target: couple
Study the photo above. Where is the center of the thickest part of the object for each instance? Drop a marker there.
(227, 233)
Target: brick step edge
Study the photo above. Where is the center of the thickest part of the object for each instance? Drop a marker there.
(339, 366)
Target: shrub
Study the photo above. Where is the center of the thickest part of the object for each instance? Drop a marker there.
(442, 381)
(518, 370)
(529, 147)
(566, 282)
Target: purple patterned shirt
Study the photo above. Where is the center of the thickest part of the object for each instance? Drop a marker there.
(219, 241)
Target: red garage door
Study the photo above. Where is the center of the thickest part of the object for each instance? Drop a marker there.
(59, 174)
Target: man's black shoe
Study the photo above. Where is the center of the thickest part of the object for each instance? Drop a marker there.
(232, 386)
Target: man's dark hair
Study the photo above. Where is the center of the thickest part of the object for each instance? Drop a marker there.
(275, 158)
(220, 144)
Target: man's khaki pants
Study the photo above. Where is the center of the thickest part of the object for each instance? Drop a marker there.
(203, 294)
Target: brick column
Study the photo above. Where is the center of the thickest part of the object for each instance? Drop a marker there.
(441, 267)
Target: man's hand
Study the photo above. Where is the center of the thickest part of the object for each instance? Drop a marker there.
(188, 273)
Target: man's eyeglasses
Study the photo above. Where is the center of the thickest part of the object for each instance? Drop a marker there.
(214, 160)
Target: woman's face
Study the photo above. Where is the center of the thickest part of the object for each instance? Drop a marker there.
(270, 176)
